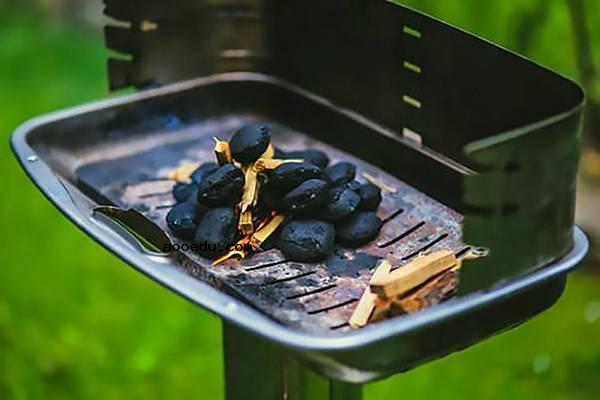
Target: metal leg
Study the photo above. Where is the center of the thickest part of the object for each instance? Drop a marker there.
(253, 366)
(304, 384)
(345, 391)
(257, 369)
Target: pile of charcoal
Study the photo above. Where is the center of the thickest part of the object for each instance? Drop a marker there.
(294, 201)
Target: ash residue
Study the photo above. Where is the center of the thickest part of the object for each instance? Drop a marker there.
(344, 262)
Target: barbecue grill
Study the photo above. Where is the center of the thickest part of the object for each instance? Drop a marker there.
(477, 145)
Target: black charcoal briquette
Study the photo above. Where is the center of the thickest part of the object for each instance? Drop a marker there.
(222, 187)
(342, 202)
(183, 220)
(306, 198)
(342, 172)
(289, 175)
(307, 240)
(354, 186)
(183, 191)
(250, 142)
(359, 229)
(370, 197)
(203, 171)
(217, 230)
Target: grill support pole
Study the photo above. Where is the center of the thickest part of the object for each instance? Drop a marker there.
(258, 369)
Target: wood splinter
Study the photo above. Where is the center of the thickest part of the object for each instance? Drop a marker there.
(235, 252)
(268, 164)
(263, 233)
(379, 183)
(222, 152)
(251, 186)
(245, 224)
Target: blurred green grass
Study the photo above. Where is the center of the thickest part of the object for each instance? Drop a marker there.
(77, 323)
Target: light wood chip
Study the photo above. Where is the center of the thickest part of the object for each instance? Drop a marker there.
(183, 172)
(379, 183)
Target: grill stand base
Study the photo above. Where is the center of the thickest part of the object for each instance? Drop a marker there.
(258, 369)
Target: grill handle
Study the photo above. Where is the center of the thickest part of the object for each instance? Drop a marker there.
(134, 228)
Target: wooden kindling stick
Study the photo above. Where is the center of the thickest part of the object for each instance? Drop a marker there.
(366, 304)
(245, 224)
(222, 152)
(440, 287)
(389, 289)
(413, 274)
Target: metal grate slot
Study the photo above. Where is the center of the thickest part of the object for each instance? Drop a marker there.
(402, 235)
(463, 252)
(392, 216)
(291, 278)
(332, 307)
(165, 206)
(155, 194)
(311, 292)
(426, 247)
(263, 266)
(340, 326)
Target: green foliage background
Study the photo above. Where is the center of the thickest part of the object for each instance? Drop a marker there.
(77, 323)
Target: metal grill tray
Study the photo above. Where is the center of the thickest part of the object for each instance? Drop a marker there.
(315, 296)
(114, 151)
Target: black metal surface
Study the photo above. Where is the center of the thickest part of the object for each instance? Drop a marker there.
(515, 123)
(51, 149)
